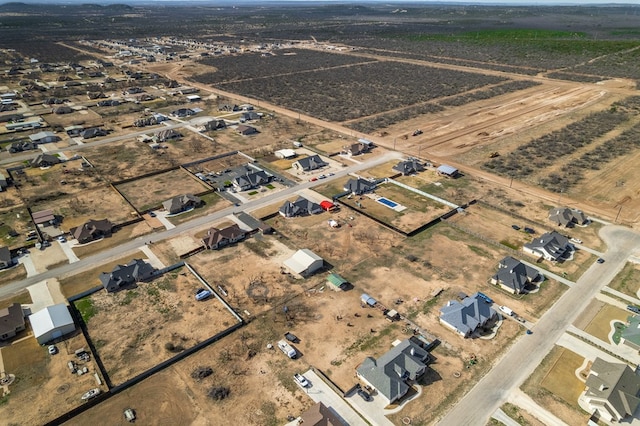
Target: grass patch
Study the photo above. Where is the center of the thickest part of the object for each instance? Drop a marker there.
(509, 244)
(23, 298)
(628, 280)
(86, 308)
(480, 251)
(269, 186)
(252, 193)
(619, 327)
(367, 342)
(561, 379)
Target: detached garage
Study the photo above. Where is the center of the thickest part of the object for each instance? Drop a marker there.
(304, 262)
(51, 323)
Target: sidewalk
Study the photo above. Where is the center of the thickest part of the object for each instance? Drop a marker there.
(502, 417)
(623, 351)
(549, 274)
(584, 349)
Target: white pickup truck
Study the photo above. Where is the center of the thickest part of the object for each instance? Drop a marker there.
(287, 349)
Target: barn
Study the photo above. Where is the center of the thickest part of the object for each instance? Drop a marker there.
(448, 171)
(51, 323)
(304, 262)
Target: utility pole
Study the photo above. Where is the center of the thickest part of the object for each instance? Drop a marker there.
(619, 210)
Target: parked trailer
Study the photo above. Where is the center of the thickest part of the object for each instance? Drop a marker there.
(287, 349)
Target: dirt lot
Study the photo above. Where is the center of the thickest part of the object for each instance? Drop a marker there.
(76, 209)
(120, 236)
(218, 165)
(69, 178)
(85, 117)
(15, 218)
(172, 320)
(58, 391)
(569, 412)
(150, 192)
(627, 280)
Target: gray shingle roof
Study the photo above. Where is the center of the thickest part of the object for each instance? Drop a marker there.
(468, 315)
(617, 384)
(515, 274)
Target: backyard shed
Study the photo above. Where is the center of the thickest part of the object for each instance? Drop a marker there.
(367, 300)
(327, 205)
(336, 281)
(51, 323)
(446, 170)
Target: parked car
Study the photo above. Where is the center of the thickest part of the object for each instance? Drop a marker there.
(313, 179)
(516, 227)
(203, 294)
(365, 395)
(529, 230)
(152, 214)
(291, 337)
(322, 176)
(129, 415)
(90, 394)
(62, 239)
(634, 309)
(576, 240)
(600, 260)
(53, 349)
(302, 381)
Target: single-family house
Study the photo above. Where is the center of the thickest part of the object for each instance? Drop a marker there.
(631, 333)
(167, 135)
(51, 323)
(307, 164)
(193, 98)
(304, 262)
(11, 321)
(246, 130)
(320, 415)
(250, 115)
(564, 216)
(121, 276)
(551, 246)
(300, 207)
(393, 373)
(5, 258)
(93, 132)
(218, 238)
(285, 153)
(468, 315)
(251, 180)
(43, 137)
(92, 230)
(44, 218)
(409, 166)
(73, 131)
(356, 149)
(132, 90)
(359, 186)
(182, 112)
(448, 171)
(612, 391)
(228, 107)
(514, 276)
(181, 203)
(45, 160)
(63, 110)
(213, 124)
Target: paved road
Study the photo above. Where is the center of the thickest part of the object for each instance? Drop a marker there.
(195, 224)
(526, 354)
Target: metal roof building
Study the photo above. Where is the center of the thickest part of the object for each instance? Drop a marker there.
(51, 323)
(304, 262)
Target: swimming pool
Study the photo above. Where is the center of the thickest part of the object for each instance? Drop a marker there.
(387, 202)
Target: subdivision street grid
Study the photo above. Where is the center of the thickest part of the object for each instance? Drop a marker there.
(506, 374)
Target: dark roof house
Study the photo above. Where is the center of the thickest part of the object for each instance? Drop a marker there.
(306, 164)
(45, 160)
(467, 316)
(93, 132)
(11, 321)
(392, 373)
(246, 130)
(564, 216)
(181, 203)
(5, 258)
(92, 230)
(514, 276)
(217, 238)
(359, 186)
(300, 207)
(251, 180)
(125, 275)
(612, 390)
(552, 246)
(409, 166)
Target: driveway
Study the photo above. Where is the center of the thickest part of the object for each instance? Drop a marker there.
(319, 391)
(66, 249)
(373, 411)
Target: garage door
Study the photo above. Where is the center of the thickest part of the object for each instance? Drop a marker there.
(56, 334)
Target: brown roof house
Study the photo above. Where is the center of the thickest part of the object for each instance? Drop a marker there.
(612, 391)
(218, 238)
(246, 130)
(125, 275)
(92, 230)
(45, 218)
(320, 415)
(11, 321)
(181, 203)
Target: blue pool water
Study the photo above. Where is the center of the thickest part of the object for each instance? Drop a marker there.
(387, 202)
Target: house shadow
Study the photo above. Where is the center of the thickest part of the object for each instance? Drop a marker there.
(429, 377)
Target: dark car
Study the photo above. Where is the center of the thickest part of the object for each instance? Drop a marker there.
(529, 230)
(291, 337)
(516, 227)
(600, 260)
(633, 309)
(364, 395)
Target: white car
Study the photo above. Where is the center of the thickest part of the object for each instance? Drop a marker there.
(53, 349)
(90, 394)
(576, 240)
(302, 381)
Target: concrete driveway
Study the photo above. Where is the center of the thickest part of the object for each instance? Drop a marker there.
(373, 411)
(319, 391)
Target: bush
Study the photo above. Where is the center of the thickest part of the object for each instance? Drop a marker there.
(218, 393)
(201, 372)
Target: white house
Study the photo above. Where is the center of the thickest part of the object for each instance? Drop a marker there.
(51, 323)
(304, 262)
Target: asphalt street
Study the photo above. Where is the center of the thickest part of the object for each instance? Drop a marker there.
(195, 224)
(525, 355)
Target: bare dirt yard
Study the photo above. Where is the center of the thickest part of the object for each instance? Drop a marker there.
(627, 280)
(85, 117)
(154, 321)
(58, 390)
(150, 192)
